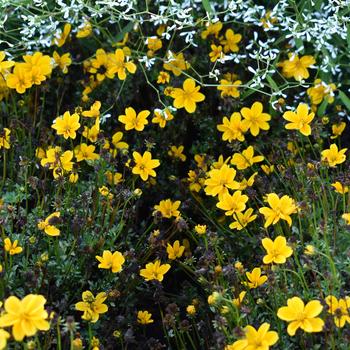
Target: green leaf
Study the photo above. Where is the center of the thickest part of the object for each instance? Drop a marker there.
(126, 29)
(321, 110)
(272, 83)
(345, 99)
(207, 7)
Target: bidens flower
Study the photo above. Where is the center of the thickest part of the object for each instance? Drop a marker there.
(233, 128)
(220, 181)
(5, 138)
(48, 225)
(333, 156)
(281, 208)
(255, 278)
(339, 309)
(255, 119)
(245, 159)
(109, 260)
(188, 96)
(296, 67)
(12, 248)
(154, 271)
(299, 120)
(25, 316)
(277, 251)
(144, 317)
(67, 125)
(168, 208)
(175, 251)
(133, 121)
(92, 306)
(301, 316)
(260, 339)
(144, 165)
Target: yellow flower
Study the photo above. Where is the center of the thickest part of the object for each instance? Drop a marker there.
(232, 204)
(12, 248)
(191, 310)
(337, 129)
(59, 41)
(220, 180)
(188, 96)
(195, 181)
(73, 177)
(144, 317)
(133, 121)
(301, 316)
(92, 306)
(92, 133)
(176, 63)
(295, 67)
(229, 88)
(109, 260)
(5, 65)
(340, 188)
(201, 160)
(154, 44)
(299, 120)
(162, 117)
(333, 156)
(117, 141)
(58, 161)
(309, 249)
(339, 309)
(242, 219)
(38, 65)
(255, 119)
(175, 251)
(168, 208)
(113, 179)
(26, 316)
(49, 224)
(255, 278)
(176, 153)
(245, 159)
(63, 62)
(163, 78)
(260, 339)
(200, 229)
(211, 29)
(281, 208)
(154, 271)
(238, 301)
(3, 338)
(216, 53)
(267, 169)
(85, 30)
(213, 298)
(94, 111)
(321, 91)
(67, 125)
(144, 165)
(85, 152)
(5, 138)
(19, 79)
(346, 217)
(4, 90)
(232, 128)
(247, 183)
(277, 251)
(231, 40)
(119, 65)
